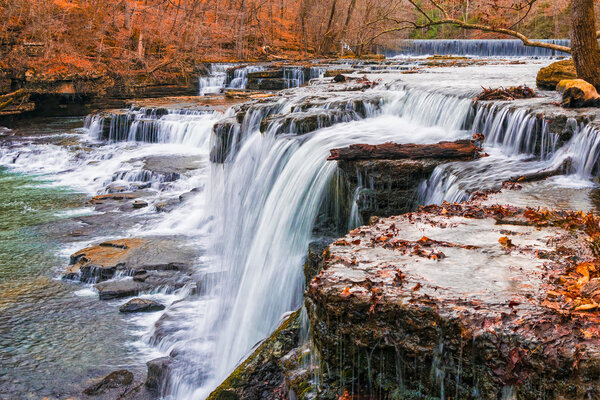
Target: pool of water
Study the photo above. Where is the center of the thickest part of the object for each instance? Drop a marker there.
(54, 335)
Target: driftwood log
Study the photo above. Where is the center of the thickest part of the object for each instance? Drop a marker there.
(460, 149)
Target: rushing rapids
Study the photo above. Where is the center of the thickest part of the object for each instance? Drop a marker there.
(251, 211)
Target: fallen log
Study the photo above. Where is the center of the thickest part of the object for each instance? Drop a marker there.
(10, 98)
(460, 149)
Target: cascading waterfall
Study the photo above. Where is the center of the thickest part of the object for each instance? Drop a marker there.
(476, 47)
(263, 230)
(153, 126)
(215, 81)
(261, 206)
(240, 76)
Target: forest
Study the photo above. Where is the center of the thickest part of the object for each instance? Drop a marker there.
(125, 36)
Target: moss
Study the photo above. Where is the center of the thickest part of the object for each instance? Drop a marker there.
(549, 76)
(248, 374)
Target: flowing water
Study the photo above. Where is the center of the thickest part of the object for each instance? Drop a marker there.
(476, 47)
(252, 215)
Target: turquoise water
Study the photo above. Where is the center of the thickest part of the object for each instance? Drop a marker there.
(52, 342)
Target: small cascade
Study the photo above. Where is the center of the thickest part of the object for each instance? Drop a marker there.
(215, 81)
(191, 127)
(297, 76)
(476, 47)
(516, 131)
(237, 78)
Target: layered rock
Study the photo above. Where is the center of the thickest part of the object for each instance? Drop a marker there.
(151, 263)
(464, 301)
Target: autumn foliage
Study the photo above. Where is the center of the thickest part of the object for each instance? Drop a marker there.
(143, 36)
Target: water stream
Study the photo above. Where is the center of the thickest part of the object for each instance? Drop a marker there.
(253, 214)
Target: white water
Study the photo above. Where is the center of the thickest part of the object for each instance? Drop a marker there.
(256, 215)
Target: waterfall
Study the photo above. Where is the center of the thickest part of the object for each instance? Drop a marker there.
(265, 202)
(239, 79)
(215, 81)
(262, 199)
(476, 47)
(191, 127)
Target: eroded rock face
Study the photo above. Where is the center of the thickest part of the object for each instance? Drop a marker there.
(465, 300)
(261, 375)
(551, 75)
(388, 186)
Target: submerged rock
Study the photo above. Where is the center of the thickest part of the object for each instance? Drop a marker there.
(114, 380)
(141, 305)
(468, 299)
(551, 75)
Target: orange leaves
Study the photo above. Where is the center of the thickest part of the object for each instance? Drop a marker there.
(505, 242)
(345, 396)
(346, 292)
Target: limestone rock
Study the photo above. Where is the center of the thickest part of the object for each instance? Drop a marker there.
(551, 75)
(435, 295)
(578, 93)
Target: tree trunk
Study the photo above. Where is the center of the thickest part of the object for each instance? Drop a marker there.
(584, 44)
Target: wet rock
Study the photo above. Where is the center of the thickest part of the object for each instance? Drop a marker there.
(339, 78)
(226, 139)
(141, 305)
(139, 204)
(578, 93)
(332, 73)
(551, 75)
(188, 195)
(101, 262)
(445, 297)
(114, 380)
(266, 84)
(166, 206)
(261, 375)
(100, 199)
(393, 184)
(158, 370)
(122, 288)
(162, 279)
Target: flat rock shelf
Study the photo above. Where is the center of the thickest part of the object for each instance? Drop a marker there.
(462, 301)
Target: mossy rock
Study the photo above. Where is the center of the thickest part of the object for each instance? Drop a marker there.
(548, 77)
(261, 372)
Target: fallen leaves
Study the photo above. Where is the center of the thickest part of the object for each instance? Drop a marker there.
(506, 242)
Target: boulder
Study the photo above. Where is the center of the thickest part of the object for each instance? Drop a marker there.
(339, 78)
(101, 262)
(122, 288)
(550, 76)
(141, 305)
(578, 93)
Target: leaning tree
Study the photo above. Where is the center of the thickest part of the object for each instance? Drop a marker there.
(584, 38)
